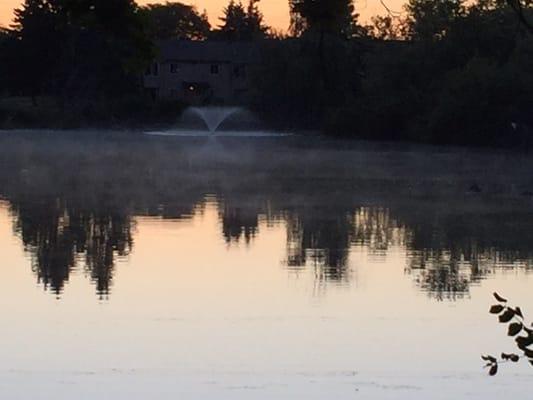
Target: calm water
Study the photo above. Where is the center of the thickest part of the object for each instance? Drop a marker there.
(257, 268)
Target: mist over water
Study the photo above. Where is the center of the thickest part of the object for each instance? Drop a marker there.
(218, 121)
(274, 244)
(328, 199)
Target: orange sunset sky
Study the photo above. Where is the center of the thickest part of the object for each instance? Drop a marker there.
(276, 11)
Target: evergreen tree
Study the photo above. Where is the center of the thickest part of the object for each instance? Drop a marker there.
(255, 20)
(240, 23)
(37, 30)
(78, 49)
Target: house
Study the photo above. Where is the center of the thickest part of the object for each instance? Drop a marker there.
(202, 72)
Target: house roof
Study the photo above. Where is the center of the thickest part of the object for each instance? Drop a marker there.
(208, 51)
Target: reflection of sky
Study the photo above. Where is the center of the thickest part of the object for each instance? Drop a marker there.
(191, 313)
(276, 11)
(335, 290)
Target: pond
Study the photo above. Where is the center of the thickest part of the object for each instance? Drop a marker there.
(258, 268)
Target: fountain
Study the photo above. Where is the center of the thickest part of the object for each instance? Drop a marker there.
(194, 120)
(213, 117)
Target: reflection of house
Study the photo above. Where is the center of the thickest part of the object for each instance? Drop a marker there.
(201, 72)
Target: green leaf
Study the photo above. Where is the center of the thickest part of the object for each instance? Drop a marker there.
(493, 370)
(507, 315)
(514, 329)
(518, 312)
(499, 298)
(496, 309)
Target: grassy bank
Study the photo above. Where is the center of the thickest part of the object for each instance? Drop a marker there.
(48, 113)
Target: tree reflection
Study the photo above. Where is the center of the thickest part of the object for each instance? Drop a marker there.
(449, 274)
(50, 241)
(238, 223)
(322, 238)
(75, 202)
(106, 236)
(57, 236)
(375, 229)
(321, 241)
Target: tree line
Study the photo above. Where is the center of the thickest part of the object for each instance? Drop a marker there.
(83, 49)
(440, 71)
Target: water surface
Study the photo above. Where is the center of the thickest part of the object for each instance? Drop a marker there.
(260, 268)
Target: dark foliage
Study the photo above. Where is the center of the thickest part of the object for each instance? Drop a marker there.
(516, 328)
(446, 72)
(323, 16)
(313, 84)
(240, 23)
(79, 51)
(173, 20)
(460, 75)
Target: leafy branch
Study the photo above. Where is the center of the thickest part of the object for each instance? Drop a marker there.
(516, 328)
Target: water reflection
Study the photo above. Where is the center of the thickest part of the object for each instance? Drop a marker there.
(57, 236)
(74, 205)
(238, 224)
(320, 240)
(448, 274)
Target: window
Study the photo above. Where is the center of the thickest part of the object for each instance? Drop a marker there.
(214, 69)
(156, 69)
(174, 68)
(239, 71)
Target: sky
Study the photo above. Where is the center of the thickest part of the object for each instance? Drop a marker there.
(276, 11)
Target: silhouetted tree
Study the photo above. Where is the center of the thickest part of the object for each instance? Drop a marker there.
(387, 27)
(240, 23)
(84, 48)
(324, 17)
(39, 34)
(173, 20)
(324, 26)
(432, 19)
(255, 20)
(5, 38)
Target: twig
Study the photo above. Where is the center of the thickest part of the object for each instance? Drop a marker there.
(392, 13)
